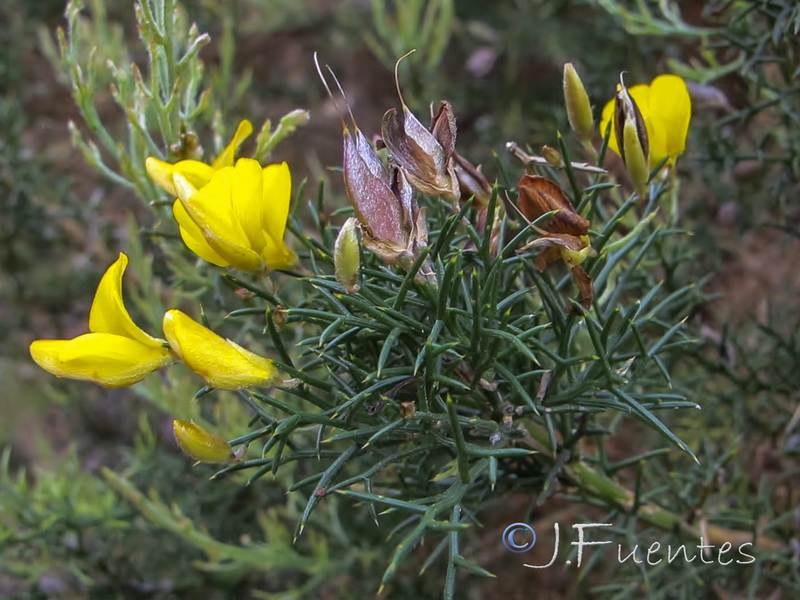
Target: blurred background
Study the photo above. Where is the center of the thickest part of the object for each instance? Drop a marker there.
(64, 533)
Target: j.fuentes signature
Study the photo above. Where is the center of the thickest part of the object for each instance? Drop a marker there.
(521, 537)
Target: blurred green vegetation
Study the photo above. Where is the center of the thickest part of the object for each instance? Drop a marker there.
(153, 527)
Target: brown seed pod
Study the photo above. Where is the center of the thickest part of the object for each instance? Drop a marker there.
(425, 156)
(393, 225)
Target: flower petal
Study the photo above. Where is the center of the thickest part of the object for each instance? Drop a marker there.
(225, 159)
(192, 236)
(222, 363)
(647, 101)
(278, 256)
(108, 313)
(277, 180)
(161, 172)
(107, 359)
(248, 200)
(671, 111)
(211, 203)
(606, 118)
(277, 194)
(210, 209)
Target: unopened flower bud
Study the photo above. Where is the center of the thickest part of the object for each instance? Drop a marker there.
(279, 317)
(552, 156)
(407, 409)
(347, 256)
(202, 445)
(632, 139)
(579, 110)
(636, 162)
(297, 117)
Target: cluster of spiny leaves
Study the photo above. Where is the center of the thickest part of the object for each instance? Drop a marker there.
(428, 399)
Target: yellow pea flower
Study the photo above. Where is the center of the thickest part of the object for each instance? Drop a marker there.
(239, 217)
(116, 352)
(202, 445)
(198, 173)
(666, 108)
(222, 363)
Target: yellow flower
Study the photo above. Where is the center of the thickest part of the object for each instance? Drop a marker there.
(116, 353)
(239, 217)
(222, 363)
(203, 446)
(198, 173)
(666, 108)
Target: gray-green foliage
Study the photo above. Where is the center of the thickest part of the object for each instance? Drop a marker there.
(417, 406)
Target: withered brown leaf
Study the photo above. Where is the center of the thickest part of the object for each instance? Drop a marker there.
(565, 235)
(539, 195)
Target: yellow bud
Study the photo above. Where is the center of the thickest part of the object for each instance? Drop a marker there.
(202, 445)
(579, 110)
(347, 256)
(552, 156)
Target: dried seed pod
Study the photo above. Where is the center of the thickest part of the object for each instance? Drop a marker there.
(425, 156)
(583, 281)
(471, 181)
(407, 409)
(393, 224)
